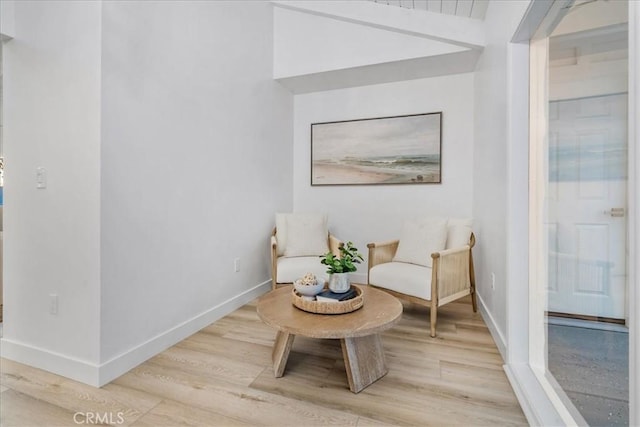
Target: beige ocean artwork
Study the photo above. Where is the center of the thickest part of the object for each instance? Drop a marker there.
(391, 150)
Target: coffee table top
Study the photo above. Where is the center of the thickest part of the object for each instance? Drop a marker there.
(380, 312)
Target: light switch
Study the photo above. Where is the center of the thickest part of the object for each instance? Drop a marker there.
(41, 178)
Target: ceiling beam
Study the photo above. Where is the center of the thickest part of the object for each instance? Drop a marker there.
(455, 30)
(417, 68)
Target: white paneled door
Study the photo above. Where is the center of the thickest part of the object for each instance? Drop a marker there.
(586, 199)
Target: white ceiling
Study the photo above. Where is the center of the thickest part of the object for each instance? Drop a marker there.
(465, 8)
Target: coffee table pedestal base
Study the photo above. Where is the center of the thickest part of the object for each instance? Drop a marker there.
(281, 350)
(364, 361)
(363, 358)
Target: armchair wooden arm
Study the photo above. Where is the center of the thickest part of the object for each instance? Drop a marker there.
(382, 252)
(450, 275)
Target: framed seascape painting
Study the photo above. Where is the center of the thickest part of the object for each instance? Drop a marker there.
(385, 150)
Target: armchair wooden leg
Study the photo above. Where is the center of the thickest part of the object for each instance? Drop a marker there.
(472, 279)
(434, 314)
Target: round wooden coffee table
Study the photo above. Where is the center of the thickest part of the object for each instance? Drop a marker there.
(357, 331)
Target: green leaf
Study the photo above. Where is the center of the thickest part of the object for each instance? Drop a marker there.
(344, 263)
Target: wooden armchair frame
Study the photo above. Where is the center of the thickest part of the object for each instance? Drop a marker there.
(334, 246)
(452, 275)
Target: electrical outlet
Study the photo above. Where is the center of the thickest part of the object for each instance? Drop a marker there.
(236, 265)
(53, 304)
(493, 281)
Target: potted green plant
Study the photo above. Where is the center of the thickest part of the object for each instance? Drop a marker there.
(339, 267)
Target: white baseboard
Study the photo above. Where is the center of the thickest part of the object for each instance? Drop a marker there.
(125, 362)
(60, 364)
(99, 375)
(496, 333)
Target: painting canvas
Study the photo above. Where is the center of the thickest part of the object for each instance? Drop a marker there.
(386, 150)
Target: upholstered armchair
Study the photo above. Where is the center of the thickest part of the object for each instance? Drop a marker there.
(431, 264)
(297, 242)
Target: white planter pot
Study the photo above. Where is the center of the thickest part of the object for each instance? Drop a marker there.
(339, 283)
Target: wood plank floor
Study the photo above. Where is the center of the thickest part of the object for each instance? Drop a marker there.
(222, 376)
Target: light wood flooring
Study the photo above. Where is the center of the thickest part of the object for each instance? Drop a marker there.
(222, 376)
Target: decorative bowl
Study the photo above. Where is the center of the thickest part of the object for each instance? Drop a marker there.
(309, 290)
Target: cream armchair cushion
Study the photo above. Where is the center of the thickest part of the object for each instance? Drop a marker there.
(409, 279)
(305, 225)
(296, 245)
(458, 232)
(290, 269)
(419, 239)
(306, 235)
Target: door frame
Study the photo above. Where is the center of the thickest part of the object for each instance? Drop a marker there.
(525, 364)
(633, 224)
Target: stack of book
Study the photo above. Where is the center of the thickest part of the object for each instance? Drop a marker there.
(328, 296)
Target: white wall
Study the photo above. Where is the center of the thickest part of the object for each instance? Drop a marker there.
(196, 159)
(168, 149)
(7, 18)
(329, 45)
(52, 241)
(306, 43)
(491, 171)
(365, 214)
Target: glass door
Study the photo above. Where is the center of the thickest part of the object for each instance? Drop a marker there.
(581, 223)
